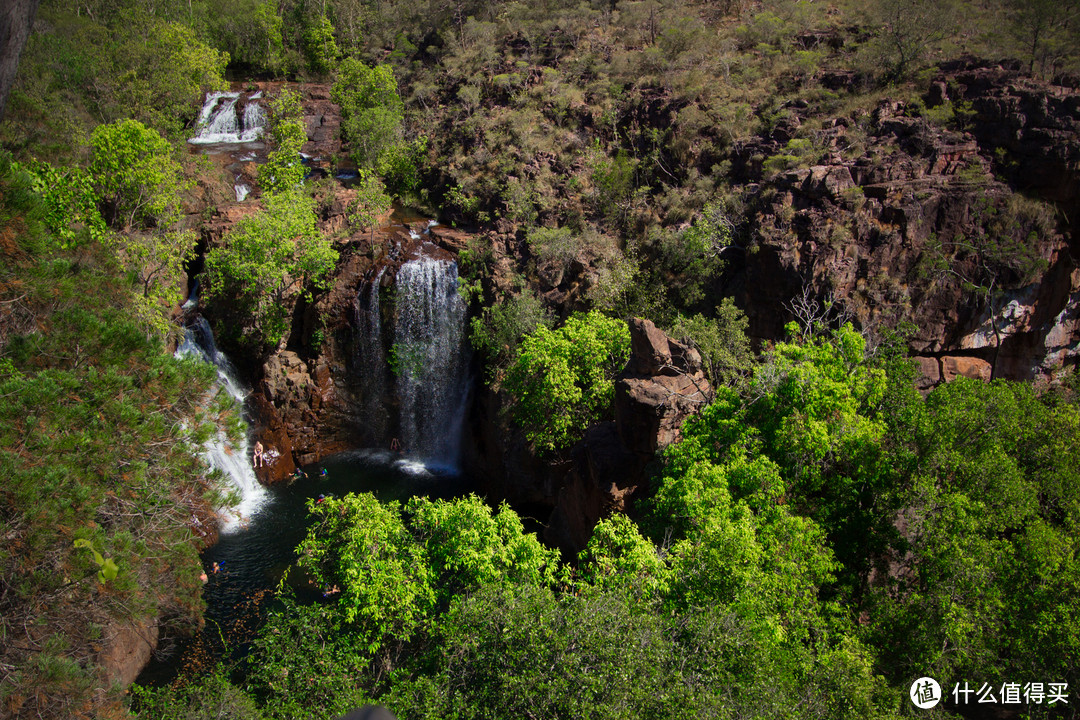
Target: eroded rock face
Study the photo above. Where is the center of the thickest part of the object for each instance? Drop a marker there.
(662, 385)
(899, 219)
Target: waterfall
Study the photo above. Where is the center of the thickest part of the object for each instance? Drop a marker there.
(254, 122)
(232, 459)
(429, 359)
(370, 359)
(219, 122)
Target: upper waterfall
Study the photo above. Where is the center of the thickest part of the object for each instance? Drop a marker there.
(219, 121)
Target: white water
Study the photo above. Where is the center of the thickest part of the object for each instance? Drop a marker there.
(432, 365)
(233, 459)
(219, 122)
(242, 190)
(370, 360)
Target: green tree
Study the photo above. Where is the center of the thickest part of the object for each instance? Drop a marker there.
(1045, 29)
(909, 29)
(284, 169)
(400, 165)
(619, 558)
(371, 202)
(166, 72)
(814, 439)
(991, 584)
(371, 110)
(250, 31)
(319, 46)
(498, 330)
(539, 654)
(266, 261)
(156, 261)
(722, 342)
(364, 548)
(69, 203)
(468, 546)
(268, 25)
(136, 179)
(562, 380)
(694, 258)
(138, 185)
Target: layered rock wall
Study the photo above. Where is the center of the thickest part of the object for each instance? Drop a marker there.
(902, 221)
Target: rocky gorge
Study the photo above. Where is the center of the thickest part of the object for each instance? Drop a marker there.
(958, 230)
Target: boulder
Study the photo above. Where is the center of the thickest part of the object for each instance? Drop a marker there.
(929, 374)
(126, 648)
(953, 367)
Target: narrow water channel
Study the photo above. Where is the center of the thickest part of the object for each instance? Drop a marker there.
(253, 557)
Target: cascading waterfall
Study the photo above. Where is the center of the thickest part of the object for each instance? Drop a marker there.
(370, 359)
(232, 459)
(254, 118)
(220, 123)
(429, 359)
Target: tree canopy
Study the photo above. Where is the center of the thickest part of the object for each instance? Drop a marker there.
(562, 380)
(268, 260)
(371, 108)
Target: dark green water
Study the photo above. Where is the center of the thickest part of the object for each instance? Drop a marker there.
(254, 558)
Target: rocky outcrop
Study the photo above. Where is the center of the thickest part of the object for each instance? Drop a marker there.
(126, 648)
(662, 385)
(1030, 129)
(900, 220)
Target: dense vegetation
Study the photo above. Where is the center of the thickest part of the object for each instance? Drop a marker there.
(813, 545)
(820, 537)
(101, 484)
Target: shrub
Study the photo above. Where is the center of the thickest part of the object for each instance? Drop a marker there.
(265, 263)
(562, 380)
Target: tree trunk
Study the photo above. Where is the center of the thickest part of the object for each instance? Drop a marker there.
(16, 20)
